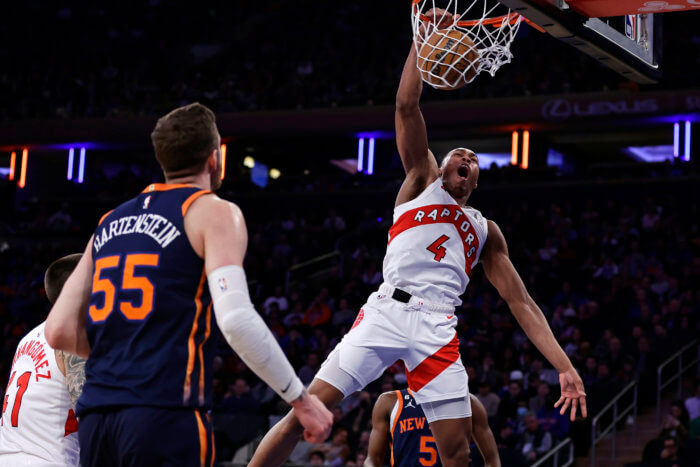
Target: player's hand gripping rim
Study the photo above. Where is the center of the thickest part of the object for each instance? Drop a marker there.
(572, 394)
(436, 18)
(316, 419)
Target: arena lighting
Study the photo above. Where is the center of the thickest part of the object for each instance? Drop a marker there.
(370, 157)
(71, 154)
(23, 170)
(360, 153)
(650, 154)
(526, 150)
(275, 174)
(13, 161)
(514, 149)
(686, 152)
(676, 138)
(81, 167)
(249, 162)
(223, 161)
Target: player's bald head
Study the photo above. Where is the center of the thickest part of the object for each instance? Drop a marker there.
(447, 157)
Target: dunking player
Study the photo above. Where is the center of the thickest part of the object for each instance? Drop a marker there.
(38, 425)
(138, 305)
(398, 421)
(434, 245)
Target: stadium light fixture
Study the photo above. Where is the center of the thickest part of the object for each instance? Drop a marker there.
(686, 152)
(275, 174)
(370, 157)
(13, 162)
(676, 138)
(81, 167)
(249, 162)
(23, 170)
(514, 149)
(360, 154)
(223, 161)
(71, 155)
(526, 150)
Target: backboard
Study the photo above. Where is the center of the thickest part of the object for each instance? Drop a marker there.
(627, 38)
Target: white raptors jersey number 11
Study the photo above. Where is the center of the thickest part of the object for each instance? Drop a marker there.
(38, 425)
(433, 246)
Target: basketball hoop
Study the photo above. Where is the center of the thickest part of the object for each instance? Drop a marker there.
(484, 31)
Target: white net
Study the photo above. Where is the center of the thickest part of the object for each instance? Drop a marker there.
(456, 40)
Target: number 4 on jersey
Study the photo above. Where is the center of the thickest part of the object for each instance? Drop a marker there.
(437, 248)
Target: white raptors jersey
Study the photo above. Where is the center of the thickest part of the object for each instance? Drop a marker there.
(433, 246)
(38, 425)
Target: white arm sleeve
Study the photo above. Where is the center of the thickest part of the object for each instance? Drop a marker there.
(247, 334)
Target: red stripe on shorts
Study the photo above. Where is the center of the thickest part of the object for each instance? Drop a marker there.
(432, 366)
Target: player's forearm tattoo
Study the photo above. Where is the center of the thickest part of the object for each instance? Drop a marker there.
(75, 376)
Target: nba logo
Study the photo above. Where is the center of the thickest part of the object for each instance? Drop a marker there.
(146, 202)
(222, 284)
(631, 26)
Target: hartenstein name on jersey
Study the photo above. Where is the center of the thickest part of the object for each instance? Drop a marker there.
(155, 226)
(36, 351)
(410, 424)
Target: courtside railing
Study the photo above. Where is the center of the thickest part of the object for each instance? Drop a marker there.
(552, 457)
(315, 266)
(598, 433)
(676, 357)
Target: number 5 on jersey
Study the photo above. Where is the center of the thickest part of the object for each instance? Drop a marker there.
(437, 248)
(130, 281)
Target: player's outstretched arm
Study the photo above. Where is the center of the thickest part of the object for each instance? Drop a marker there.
(411, 135)
(217, 231)
(379, 437)
(501, 273)
(483, 436)
(65, 325)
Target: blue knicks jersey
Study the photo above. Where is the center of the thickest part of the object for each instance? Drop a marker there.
(412, 442)
(149, 323)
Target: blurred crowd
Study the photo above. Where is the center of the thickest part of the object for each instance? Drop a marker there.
(615, 276)
(87, 59)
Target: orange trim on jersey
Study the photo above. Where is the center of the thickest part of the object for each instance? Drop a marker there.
(399, 400)
(202, 440)
(191, 199)
(207, 331)
(213, 446)
(166, 187)
(105, 216)
(432, 366)
(191, 349)
(441, 214)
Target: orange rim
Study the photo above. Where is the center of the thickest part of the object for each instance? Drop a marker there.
(496, 21)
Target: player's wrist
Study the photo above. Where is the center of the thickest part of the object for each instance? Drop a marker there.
(300, 399)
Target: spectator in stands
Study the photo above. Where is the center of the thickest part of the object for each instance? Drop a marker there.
(308, 371)
(692, 404)
(278, 298)
(488, 398)
(239, 400)
(535, 441)
(513, 399)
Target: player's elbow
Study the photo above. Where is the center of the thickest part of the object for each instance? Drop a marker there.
(406, 104)
(56, 335)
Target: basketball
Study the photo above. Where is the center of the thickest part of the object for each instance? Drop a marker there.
(448, 59)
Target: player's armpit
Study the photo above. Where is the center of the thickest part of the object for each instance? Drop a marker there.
(65, 325)
(381, 431)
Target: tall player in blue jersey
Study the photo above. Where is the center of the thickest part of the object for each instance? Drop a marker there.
(139, 307)
(399, 423)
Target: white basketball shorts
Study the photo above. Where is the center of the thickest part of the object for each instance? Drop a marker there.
(421, 334)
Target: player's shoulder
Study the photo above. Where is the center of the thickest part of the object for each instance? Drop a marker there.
(385, 402)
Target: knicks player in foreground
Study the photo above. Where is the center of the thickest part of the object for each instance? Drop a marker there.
(398, 422)
(138, 305)
(38, 426)
(434, 246)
